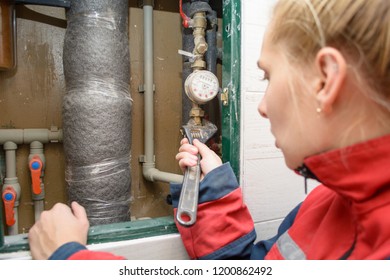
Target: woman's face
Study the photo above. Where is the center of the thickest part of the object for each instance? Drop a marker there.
(290, 104)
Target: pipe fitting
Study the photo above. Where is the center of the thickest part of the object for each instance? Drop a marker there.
(152, 174)
(26, 136)
(198, 64)
(197, 114)
(199, 27)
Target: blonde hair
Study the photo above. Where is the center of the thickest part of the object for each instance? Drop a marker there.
(360, 29)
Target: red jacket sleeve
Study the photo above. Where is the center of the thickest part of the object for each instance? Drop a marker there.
(77, 251)
(224, 228)
(94, 255)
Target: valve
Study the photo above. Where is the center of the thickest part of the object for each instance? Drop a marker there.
(36, 172)
(9, 198)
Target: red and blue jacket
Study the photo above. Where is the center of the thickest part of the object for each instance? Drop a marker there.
(346, 217)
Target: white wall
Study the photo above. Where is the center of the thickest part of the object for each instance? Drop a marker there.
(270, 189)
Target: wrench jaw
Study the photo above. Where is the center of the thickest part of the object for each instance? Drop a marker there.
(201, 132)
(188, 202)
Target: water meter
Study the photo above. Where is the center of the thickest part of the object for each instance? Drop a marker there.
(201, 86)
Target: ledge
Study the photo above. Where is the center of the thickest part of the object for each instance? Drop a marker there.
(106, 233)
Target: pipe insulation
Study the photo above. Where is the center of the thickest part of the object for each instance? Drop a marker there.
(97, 109)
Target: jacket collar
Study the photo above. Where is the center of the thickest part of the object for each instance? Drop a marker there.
(357, 172)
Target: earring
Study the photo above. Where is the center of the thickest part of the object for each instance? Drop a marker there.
(319, 110)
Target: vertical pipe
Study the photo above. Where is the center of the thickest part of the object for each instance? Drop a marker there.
(12, 181)
(10, 174)
(37, 156)
(188, 46)
(10, 160)
(97, 109)
(211, 38)
(212, 108)
(148, 84)
(149, 169)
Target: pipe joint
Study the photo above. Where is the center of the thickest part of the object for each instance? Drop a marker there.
(153, 174)
(9, 146)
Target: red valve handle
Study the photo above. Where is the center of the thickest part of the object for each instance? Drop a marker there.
(36, 171)
(186, 19)
(9, 197)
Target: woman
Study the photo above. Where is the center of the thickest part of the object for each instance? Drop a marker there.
(327, 63)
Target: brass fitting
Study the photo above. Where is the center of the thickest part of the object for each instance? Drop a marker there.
(200, 24)
(197, 114)
(199, 28)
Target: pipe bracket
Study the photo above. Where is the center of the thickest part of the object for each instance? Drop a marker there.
(141, 88)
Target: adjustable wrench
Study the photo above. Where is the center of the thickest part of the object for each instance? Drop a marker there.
(188, 202)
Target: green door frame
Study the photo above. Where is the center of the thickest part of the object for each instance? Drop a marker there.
(231, 81)
(231, 75)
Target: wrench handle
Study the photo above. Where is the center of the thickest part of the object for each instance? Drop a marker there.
(188, 203)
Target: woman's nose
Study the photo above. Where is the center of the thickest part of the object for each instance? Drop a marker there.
(262, 108)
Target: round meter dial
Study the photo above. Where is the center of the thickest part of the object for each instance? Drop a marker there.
(201, 86)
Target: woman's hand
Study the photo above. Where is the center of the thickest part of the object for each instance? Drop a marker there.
(187, 156)
(56, 227)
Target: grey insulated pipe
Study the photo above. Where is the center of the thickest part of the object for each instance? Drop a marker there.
(96, 109)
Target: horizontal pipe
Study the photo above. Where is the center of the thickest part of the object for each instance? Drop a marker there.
(26, 136)
(154, 175)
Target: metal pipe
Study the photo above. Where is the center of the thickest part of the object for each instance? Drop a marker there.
(150, 172)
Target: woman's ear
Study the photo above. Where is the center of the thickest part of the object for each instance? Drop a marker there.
(332, 67)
